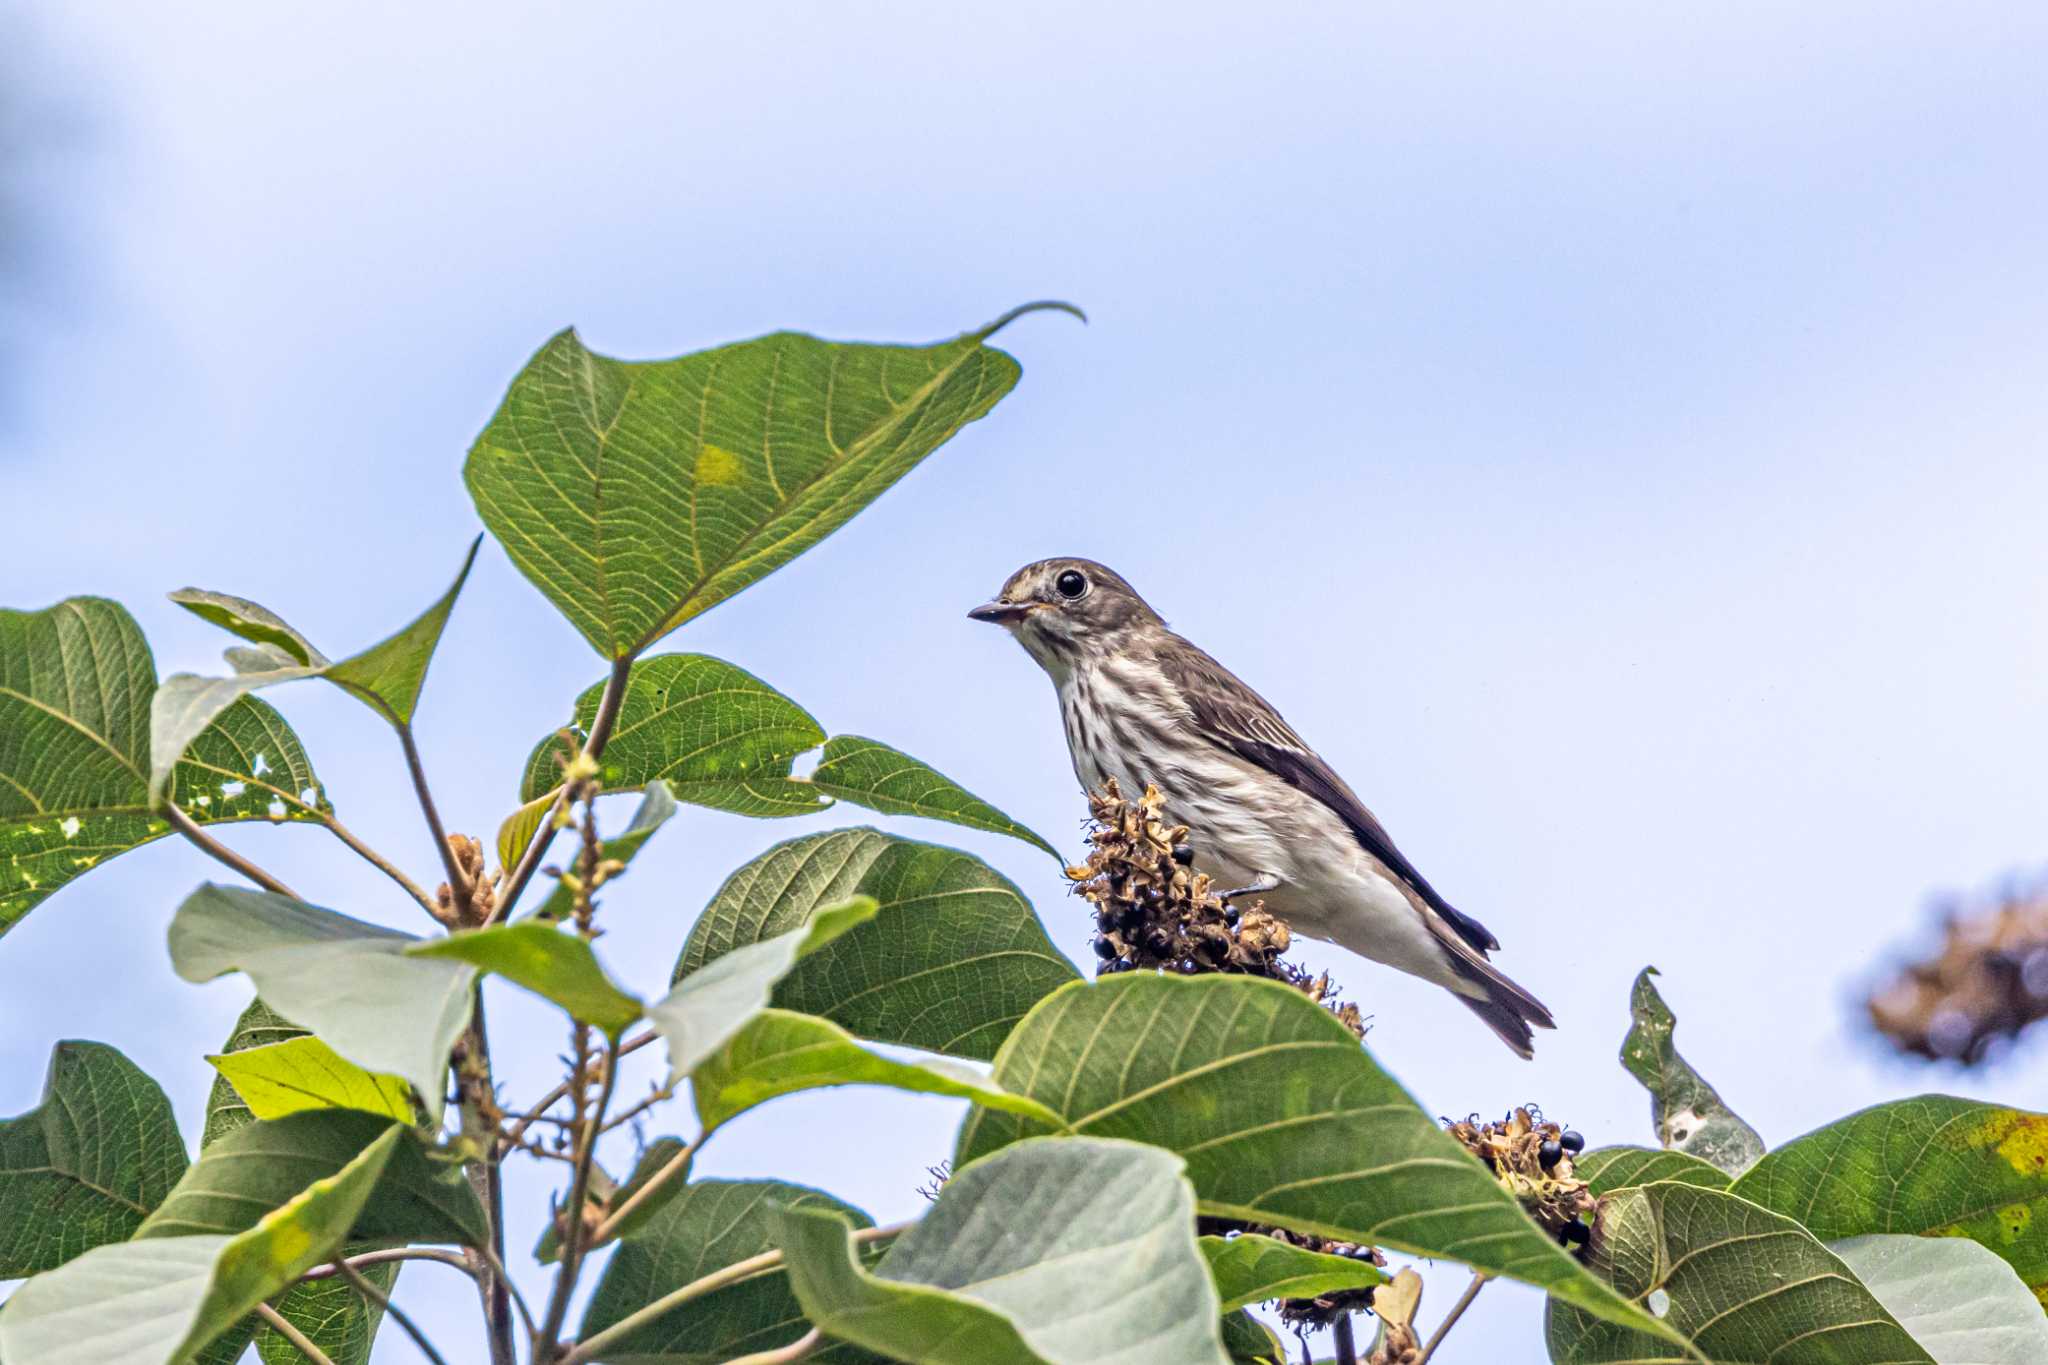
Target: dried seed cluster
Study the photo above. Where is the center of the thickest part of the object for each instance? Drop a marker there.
(1532, 1159)
(483, 894)
(1988, 981)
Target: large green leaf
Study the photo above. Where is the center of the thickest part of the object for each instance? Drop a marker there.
(1616, 1168)
(1249, 1268)
(1015, 1245)
(161, 1299)
(261, 1166)
(952, 961)
(1961, 1303)
(552, 963)
(348, 981)
(76, 682)
(301, 1074)
(85, 1166)
(780, 1053)
(1738, 1282)
(1689, 1115)
(636, 495)
(655, 809)
(1283, 1117)
(872, 774)
(1932, 1164)
(386, 677)
(709, 1224)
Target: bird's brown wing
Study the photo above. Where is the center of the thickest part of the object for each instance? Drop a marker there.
(1237, 719)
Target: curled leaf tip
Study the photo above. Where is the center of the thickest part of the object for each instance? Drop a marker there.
(1036, 306)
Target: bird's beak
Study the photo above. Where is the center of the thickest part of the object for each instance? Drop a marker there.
(1001, 613)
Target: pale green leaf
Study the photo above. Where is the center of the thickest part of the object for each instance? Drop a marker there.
(1931, 1164)
(1614, 1168)
(702, 1014)
(253, 622)
(637, 495)
(780, 1053)
(76, 683)
(872, 774)
(258, 1026)
(519, 827)
(1283, 1117)
(348, 981)
(953, 959)
(85, 1166)
(1015, 1244)
(553, 963)
(1249, 1268)
(654, 812)
(1689, 1115)
(304, 1073)
(1737, 1282)
(1961, 1303)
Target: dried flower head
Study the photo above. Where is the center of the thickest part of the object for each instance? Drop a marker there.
(1988, 981)
(1532, 1159)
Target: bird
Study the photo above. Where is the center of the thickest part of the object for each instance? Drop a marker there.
(1266, 815)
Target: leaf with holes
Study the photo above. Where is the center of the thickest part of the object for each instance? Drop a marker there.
(1933, 1164)
(76, 682)
(350, 982)
(953, 958)
(1014, 1242)
(1614, 1168)
(1249, 1268)
(552, 963)
(86, 1166)
(1689, 1114)
(636, 495)
(1737, 1282)
(1283, 1118)
(1961, 1303)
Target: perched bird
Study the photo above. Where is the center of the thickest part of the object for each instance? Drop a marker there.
(1265, 815)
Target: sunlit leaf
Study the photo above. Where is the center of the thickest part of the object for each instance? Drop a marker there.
(655, 809)
(883, 779)
(1283, 1118)
(1249, 1268)
(76, 682)
(1738, 1282)
(953, 959)
(1614, 1168)
(1013, 1246)
(636, 495)
(550, 962)
(84, 1167)
(1961, 1303)
(304, 1073)
(1689, 1116)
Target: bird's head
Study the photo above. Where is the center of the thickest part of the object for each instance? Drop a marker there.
(1063, 609)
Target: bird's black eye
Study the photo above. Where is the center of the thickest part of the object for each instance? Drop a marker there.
(1071, 584)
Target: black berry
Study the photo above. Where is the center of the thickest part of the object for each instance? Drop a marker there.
(1571, 1142)
(1104, 949)
(1183, 854)
(1575, 1234)
(1549, 1153)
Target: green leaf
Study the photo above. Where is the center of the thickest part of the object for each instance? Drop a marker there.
(1249, 1268)
(1738, 1282)
(655, 809)
(84, 1167)
(637, 495)
(159, 1300)
(348, 981)
(1614, 1168)
(261, 1166)
(387, 677)
(702, 1014)
(304, 1073)
(1014, 1245)
(1932, 1164)
(519, 828)
(259, 1026)
(708, 1225)
(1252, 1342)
(1961, 1303)
(550, 962)
(76, 682)
(780, 1053)
(1283, 1117)
(874, 775)
(951, 962)
(1689, 1116)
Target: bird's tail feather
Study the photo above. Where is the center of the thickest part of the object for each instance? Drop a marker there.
(1506, 1008)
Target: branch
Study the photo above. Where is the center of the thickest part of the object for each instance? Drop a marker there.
(378, 861)
(215, 849)
(670, 1169)
(1457, 1311)
(575, 1236)
(561, 1092)
(593, 746)
(391, 1310)
(283, 1328)
(796, 1350)
(1345, 1344)
(328, 1272)
(458, 880)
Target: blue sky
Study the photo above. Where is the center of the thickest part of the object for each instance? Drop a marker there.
(1612, 435)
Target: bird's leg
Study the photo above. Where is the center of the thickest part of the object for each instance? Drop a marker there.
(1258, 886)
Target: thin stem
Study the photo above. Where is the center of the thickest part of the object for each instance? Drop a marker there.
(1457, 1311)
(283, 1328)
(213, 848)
(495, 1287)
(593, 746)
(328, 1272)
(599, 1342)
(391, 1310)
(378, 861)
(796, 1350)
(498, 1268)
(673, 1167)
(561, 1092)
(575, 1235)
(1345, 1344)
(458, 880)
